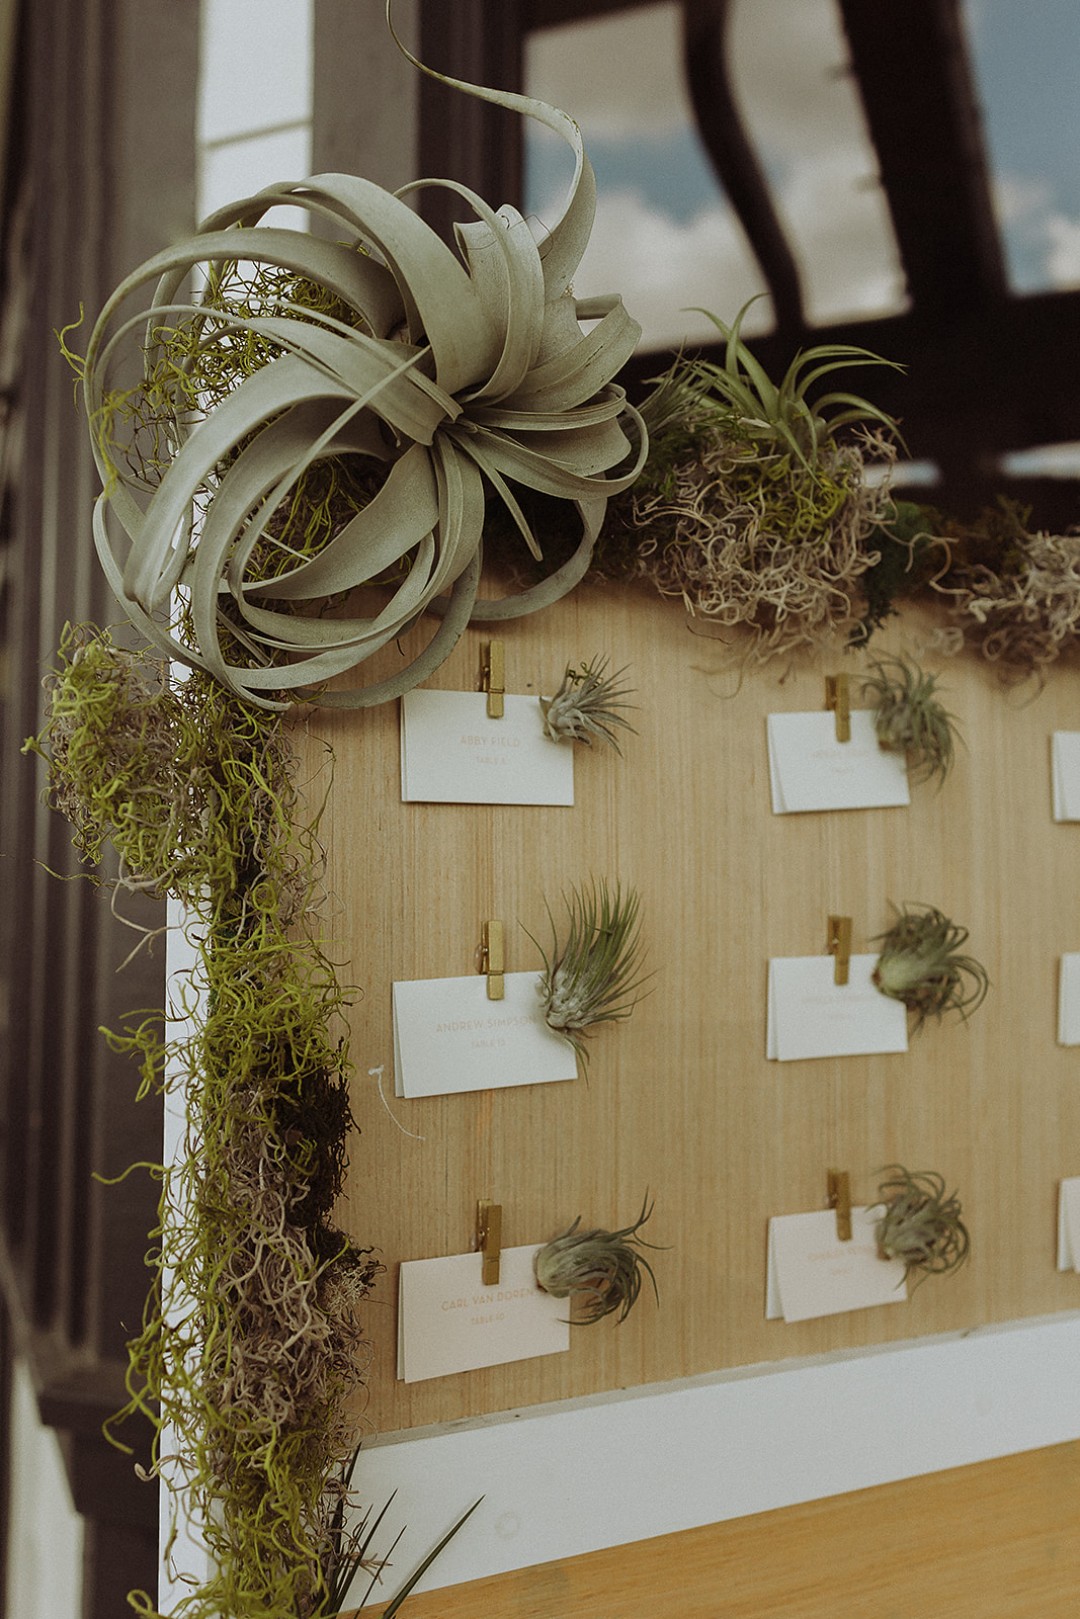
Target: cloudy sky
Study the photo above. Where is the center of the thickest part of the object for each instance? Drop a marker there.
(664, 236)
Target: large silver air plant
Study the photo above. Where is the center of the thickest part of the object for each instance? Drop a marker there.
(449, 374)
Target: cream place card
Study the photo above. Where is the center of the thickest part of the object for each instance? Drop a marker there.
(448, 1321)
(810, 770)
(1065, 775)
(449, 1037)
(1069, 1224)
(1069, 1000)
(810, 1272)
(451, 753)
(810, 1016)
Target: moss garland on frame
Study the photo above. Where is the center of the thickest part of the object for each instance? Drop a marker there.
(250, 1349)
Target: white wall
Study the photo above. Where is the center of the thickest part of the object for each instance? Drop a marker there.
(45, 1544)
(570, 1478)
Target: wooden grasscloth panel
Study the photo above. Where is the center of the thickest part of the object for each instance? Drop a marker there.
(999, 1540)
(680, 1100)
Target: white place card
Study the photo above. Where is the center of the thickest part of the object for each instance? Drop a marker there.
(448, 1321)
(449, 1037)
(810, 770)
(1069, 1000)
(451, 753)
(1065, 775)
(810, 1272)
(808, 1015)
(1068, 1256)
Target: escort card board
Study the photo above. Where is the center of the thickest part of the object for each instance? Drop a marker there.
(680, 1100)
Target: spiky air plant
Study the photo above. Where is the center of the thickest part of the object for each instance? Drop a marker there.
(587, 706)
(592, 977)
(909, 718)
(349, 1551)
(920, 1224)
(751, 507)
(921, 964)
(598, 1271)
(780, 416)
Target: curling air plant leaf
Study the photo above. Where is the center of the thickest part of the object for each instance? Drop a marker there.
(598, 1271)
(909, 717)
(922, 965)
(443, 375)
(920, 1224)
(590, 977)
(587, 706)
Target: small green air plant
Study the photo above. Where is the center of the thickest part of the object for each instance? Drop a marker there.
(919, 1224)
(598, 1271)
(753, 507)
(780, 417)
(909, 717)
(587, 706)
(921, 964)
(591, 976)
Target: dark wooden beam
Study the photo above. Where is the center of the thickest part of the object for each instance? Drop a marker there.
(913, 73)
(556, 13)
(706, 61)
(461, 137)
(970, 390)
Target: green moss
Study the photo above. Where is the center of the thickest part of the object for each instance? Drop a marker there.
(250, 1347)
(908, 554)
(193, 363)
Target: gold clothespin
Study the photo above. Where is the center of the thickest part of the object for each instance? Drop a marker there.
(489, 1239)
(838, 944)
(838, 698)
(840, 1200)
(493, 677)
(493, 959)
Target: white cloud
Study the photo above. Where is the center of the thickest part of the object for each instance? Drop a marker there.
(790, 73)
(844, 240)
(1063, 250)
(1018, 198)
(661, 268)
(1042, 240)
(619, 76)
